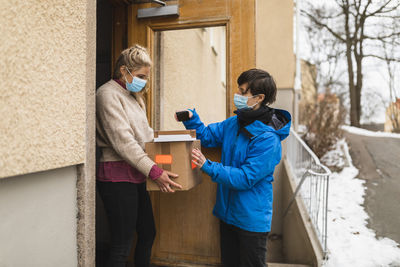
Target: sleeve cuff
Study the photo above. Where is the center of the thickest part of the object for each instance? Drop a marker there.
(188, 123)
(155, 172)
(207, 167)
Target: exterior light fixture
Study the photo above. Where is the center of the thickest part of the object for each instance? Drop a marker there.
(163, 11)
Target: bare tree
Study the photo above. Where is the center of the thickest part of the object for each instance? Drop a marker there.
(325, 56)
(352, 24)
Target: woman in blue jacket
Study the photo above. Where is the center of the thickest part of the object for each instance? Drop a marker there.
(251, 148)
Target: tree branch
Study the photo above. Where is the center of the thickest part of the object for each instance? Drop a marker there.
(358, 5)
(321, 16)
(366, 7)
(383, 58)
(381, 10)
(317, 22)
(388, 16)
(393, 34)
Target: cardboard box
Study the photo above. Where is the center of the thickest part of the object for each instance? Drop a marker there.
(172, 151)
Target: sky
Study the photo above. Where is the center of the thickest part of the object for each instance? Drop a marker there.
(375, 76)
(350, 242)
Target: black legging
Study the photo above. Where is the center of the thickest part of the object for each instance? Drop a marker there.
(128, 208)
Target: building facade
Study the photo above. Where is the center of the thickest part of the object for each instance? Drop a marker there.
(392, 118)
(48, 85)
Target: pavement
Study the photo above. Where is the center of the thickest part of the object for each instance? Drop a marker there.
(378, 160)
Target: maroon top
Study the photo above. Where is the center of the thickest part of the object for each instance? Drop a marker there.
(121, 171)
(120, 83)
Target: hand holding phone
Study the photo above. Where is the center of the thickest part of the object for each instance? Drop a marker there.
(182, 115)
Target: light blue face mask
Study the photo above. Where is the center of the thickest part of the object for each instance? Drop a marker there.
(240, 101)
(136, 85)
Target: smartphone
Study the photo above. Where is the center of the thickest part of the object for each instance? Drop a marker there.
(182, 115)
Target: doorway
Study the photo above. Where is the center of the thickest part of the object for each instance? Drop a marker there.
(104, 40)
(192, 69)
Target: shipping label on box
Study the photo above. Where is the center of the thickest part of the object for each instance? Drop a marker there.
(172, 151)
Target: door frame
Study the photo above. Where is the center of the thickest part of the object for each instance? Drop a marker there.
(238, 16)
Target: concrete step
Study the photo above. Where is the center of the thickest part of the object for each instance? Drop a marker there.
(272, 264)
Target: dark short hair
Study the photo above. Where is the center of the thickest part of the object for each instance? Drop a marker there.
(259, 82)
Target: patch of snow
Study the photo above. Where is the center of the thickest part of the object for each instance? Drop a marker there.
(355, 130)
(336, 157)
(350, 242)
(301, 129)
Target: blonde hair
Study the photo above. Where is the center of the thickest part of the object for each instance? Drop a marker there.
(133, 58)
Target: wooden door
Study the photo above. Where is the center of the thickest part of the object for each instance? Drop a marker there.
(187, 232)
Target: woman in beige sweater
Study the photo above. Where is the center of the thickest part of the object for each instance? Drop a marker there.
(122, 130)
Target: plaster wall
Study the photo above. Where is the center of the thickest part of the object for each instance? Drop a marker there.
(38, 219)
(285, 100)
(86, 172)
(274, 40)
(43, 58)
(299, 241)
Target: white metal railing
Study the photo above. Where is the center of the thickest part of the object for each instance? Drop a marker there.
(312, 184)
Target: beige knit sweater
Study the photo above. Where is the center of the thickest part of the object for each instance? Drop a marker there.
(122, 126)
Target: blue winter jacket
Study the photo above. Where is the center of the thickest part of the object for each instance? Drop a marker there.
(245, 174)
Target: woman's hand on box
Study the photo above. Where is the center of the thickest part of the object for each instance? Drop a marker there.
(198, 158)
(165, 183)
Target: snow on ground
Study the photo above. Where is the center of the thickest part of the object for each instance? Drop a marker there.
(336, 157)
(360, 131)
(350, 242)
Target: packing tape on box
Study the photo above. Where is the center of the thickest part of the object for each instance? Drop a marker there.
(163, 159)
(166, 150)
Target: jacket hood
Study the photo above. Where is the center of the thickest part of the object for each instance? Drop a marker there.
(280, 125)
